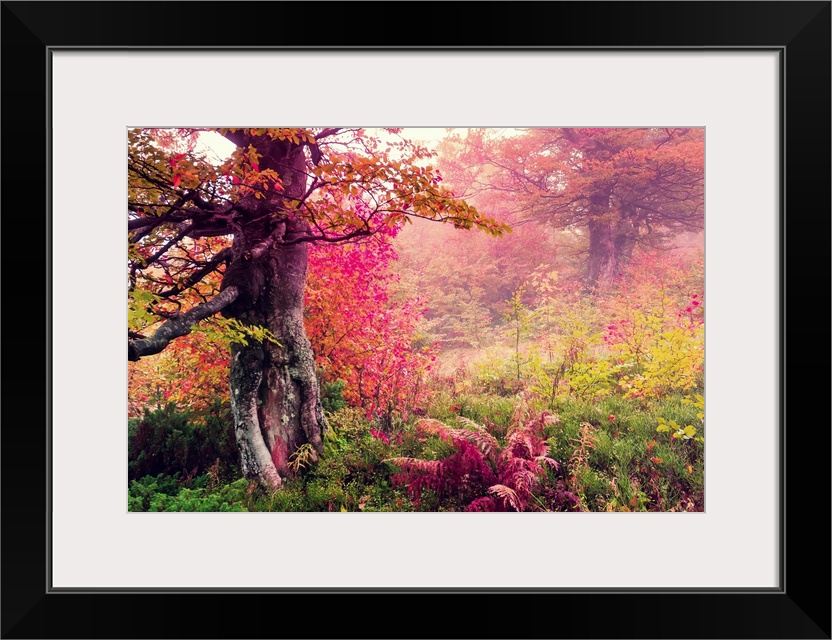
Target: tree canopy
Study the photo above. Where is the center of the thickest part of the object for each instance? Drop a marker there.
(344, 186)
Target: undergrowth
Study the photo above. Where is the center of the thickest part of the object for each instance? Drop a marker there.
(469, 453)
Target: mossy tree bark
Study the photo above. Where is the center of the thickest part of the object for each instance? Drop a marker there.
(274, 390)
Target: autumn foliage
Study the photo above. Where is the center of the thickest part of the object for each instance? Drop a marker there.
(559, 367)
(362, 329)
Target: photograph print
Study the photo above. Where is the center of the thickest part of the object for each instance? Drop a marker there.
(345, 319)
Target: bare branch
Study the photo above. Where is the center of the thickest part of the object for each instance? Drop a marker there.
(161, 252)
(197, 276)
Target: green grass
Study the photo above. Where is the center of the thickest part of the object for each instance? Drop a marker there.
(628, 464)
(650, 470)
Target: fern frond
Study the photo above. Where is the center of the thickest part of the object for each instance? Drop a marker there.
(521, 412)
(477, 427)
(509, 464)
(470, 423)
(525, 480)
(508, 494)
(415, 464)
(549, 462)
(478, 437)
(431, 427)
(521, 443)
(540, 447)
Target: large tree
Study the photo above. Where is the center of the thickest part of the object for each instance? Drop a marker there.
(619, 187)
(232, 238)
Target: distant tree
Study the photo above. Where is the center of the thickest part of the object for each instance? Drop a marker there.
(621, 187)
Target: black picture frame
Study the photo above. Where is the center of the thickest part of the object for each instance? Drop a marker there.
(799, 608)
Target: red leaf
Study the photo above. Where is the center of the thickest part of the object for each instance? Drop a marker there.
(176, 180)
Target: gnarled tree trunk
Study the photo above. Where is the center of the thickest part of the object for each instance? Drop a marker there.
(274, 390)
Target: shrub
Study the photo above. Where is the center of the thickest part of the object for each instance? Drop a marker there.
(165, 493)
(170, 441)
(480, 474)
(656, 326)
(616, 460)
(332, 396)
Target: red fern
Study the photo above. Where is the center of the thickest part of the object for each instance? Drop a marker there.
(416, 465)
(477, 435)
(507, 495)
(461, 476)
(522, 465)
(481, 474)
(482, 504)
(431, 427)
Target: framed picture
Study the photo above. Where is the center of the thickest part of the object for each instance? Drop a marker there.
(755, 75)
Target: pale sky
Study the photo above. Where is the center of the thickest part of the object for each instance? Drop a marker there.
(218, 148)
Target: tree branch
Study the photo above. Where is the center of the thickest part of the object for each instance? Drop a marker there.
(161, 252)
(179, 326)
(198, 275)
(325, 133)
(204, 222)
